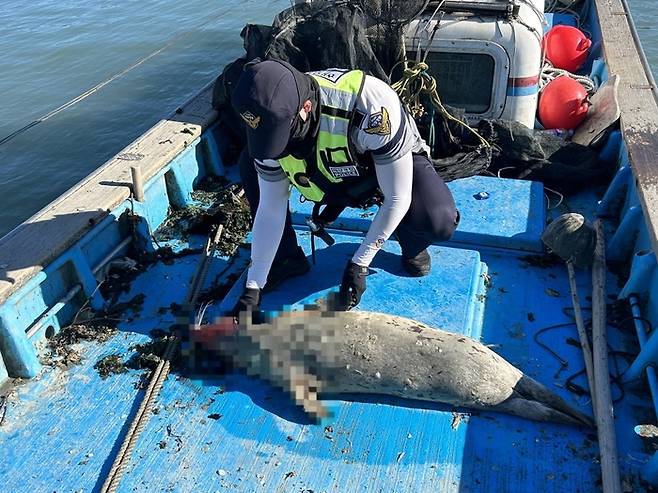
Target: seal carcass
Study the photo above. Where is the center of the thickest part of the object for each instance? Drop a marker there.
(317, 353)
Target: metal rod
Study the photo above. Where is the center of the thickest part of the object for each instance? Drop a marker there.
(604, 409)
(52, 311)
(642, 337)
(124, 243)
(138, 183)
(38, 324)
(582, 334)
(202, 267)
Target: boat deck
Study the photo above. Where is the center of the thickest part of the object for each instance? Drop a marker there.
(62, 431)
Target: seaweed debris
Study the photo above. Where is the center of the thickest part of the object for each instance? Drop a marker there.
(118, 276)
(216, 202)
(111, 364)
(146, 356)
(120, 273)
(62, 354)
(89, 326)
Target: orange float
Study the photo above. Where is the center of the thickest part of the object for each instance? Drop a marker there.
(566, 47)
(563, 104)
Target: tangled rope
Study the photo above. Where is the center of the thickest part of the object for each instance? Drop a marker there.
(550, 73)
(415, 81)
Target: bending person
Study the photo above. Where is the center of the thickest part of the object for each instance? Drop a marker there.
(340, 137)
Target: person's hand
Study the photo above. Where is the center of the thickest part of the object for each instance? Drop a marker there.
(352, 287)
(248, 302)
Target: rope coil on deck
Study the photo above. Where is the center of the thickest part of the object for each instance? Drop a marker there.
(550, 73)
(141, 419)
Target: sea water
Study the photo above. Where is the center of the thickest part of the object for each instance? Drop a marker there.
(53, 51)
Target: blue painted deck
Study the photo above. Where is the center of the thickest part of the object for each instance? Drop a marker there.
(64, 428)
(456, 285)
(67, 423)
(495, 212)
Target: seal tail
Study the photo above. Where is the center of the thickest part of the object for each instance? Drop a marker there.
(534, 401)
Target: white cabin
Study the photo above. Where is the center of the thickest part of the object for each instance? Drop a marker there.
(485, 55)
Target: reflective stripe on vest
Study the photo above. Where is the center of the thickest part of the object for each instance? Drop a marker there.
(339, 91)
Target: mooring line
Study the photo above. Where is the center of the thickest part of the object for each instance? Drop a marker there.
(159, 375)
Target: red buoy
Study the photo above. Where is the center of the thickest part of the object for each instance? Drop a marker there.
(563, 104)
(566, 47)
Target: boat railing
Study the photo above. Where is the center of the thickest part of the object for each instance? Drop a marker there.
(50, 264)
(632, 198)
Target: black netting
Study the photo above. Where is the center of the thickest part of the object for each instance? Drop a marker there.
(367, 34)
(521, 152)
(386, 22)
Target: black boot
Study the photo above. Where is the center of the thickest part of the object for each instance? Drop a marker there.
(418, 266)
(294, 265)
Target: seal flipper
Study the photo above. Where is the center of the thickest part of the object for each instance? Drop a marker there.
(304, 388)
(532, 400)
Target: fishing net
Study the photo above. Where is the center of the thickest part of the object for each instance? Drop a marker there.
(387, 20)
(539, 155)
(368, 35)
(315, 37)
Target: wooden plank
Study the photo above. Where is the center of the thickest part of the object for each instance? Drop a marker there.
(30, 247)
(603, 407)
(639, 109)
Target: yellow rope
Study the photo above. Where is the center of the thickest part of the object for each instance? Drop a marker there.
(415, 81)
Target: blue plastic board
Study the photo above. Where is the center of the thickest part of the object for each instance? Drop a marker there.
(451, 297)
(495, 212)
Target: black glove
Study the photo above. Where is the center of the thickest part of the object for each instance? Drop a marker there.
(352, 286)
(249, 301)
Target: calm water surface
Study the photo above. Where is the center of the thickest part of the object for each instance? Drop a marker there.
(53, 51)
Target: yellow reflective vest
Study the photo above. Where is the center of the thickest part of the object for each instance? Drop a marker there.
(332, 175)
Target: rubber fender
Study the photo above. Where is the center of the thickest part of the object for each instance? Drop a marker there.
(563, 104)
(566, 47)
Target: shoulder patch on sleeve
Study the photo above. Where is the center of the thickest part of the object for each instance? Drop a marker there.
(379, 123)
(250, 119)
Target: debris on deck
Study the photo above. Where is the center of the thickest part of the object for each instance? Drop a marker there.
(216, 202)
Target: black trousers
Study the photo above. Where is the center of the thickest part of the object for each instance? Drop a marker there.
(431, 217)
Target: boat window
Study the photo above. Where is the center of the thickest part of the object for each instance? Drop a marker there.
(464, 80)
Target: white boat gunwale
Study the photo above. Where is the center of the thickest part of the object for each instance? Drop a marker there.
(31, 246)
(638, 102)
